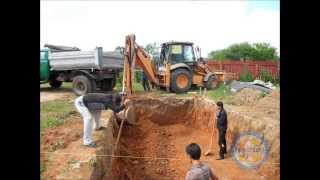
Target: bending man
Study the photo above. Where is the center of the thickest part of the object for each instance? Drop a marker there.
(90, 107)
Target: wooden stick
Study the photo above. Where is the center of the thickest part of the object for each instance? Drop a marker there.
(119, 133)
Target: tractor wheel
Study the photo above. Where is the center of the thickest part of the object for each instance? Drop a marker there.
(211, 83)
(181, 80)
(55, 84)
(82, 85)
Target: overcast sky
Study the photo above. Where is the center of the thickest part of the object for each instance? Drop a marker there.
(210, 24)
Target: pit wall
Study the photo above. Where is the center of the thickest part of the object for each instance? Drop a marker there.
(102, 165)
(200, 112)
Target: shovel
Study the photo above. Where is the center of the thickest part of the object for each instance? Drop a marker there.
(208, 152)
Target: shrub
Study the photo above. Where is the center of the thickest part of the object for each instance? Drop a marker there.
(138, 76)
(119, 78)
(277, 80)
(265, 76)
(246, 76)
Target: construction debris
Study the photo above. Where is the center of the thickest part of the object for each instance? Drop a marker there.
(257, 84)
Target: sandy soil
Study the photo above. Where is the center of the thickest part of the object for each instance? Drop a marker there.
(62, 151)
(152, 140)
(48, 94)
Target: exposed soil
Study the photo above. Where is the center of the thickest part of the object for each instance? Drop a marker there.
(166, 136)
(49, 94)
(246, 96)
(164, 127)
(62, 151)
(152, 140)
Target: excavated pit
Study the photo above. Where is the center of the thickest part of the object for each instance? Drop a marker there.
(164, 126)
(154, 148)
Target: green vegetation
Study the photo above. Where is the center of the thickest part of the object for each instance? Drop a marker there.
(53, 113)
(42, 168)
(153, 50)
(246, 51)
(221, 93)
(265, 76)
(137, 85)
(246, 76)
(64, 85)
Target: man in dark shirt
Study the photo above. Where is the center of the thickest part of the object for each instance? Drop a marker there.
(145, 82)
(222, 124)
(199, 170)
(90, 107)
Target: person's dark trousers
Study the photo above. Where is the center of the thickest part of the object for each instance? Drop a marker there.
(145, 85)
(222, 141)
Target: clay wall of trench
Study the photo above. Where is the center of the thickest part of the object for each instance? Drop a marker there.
(197, 112)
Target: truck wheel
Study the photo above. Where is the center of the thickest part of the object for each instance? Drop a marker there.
(55, 84)
(211, 83)
(82, 85)
(181, 80)
(108, 84)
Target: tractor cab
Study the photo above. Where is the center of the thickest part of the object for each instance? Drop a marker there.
(178, 52)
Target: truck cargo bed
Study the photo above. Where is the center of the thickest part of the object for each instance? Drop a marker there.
(96, 59)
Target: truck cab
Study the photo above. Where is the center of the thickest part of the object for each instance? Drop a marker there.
(44, 65)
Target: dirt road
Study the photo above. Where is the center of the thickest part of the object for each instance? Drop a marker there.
(49, 94)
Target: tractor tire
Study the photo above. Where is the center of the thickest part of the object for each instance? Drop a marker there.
(211, 83)
(55, 84)
(181, 81)
(82, 85)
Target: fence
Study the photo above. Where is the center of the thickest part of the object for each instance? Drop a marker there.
(254, 67)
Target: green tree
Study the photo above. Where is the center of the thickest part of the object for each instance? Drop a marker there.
(263, 51)
(246, 51)
(153, 50)
(239, 51)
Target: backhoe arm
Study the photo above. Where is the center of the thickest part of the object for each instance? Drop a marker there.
(135, 55)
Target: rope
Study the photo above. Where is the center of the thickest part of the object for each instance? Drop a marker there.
(141, 157)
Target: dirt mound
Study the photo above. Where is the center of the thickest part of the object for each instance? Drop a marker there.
(262, 117)
(246, 96)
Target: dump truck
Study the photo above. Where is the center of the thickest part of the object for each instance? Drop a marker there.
(87, 70)
(180, 67)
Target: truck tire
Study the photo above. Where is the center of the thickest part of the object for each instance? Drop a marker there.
(82, 85)
(55, 84)
(181, 80)
(108, 84)
(211, 83)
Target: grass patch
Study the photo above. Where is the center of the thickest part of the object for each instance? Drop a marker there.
(64, 85)
(42, 168)
(136, 86)
(221, 93)
(53, 113)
